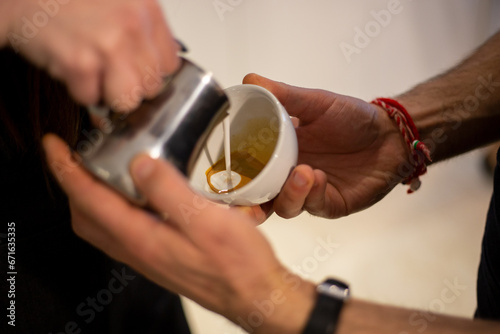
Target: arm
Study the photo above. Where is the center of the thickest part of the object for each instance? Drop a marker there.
(351, 152)
(212, 254)
(382, 319)
(459, 110)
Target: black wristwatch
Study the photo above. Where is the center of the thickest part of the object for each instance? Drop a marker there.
(325, 315)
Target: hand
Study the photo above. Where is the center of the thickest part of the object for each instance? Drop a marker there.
(111, 52)
(350, 152)
(209, 253)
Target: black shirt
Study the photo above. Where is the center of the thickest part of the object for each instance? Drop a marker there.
(63, 284)
(59, 283)
(488, 282)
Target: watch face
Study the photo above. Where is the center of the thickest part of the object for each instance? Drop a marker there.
(334, 288)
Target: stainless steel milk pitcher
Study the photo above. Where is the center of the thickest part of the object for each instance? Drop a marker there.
(173, 126)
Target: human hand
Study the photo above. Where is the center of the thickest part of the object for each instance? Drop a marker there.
(349, 152)
(113, 52)
(209, 253)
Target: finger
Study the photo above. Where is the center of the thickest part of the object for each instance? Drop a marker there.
(86, 193)
(75, 64)
(267, 208)
(83, 76)
(153, 64)
(73, 182)
(224, 236)
(95, 234)
(168, 193)
(82, 188)
(256, 213)
(156, 179)
(122, 230)
(150, 73)
(122, 86)
(101, 117)
(159, 51)
(306, 104)
(131, 76)
(315, 202)
(291, 199)
(167, 46)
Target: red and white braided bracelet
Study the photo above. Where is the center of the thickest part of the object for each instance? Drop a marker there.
(418, 150)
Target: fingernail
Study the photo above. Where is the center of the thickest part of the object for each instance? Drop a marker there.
(142, 167)
(299, 180)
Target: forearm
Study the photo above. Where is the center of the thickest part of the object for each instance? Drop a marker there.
(460, 109)
(364, 317)
(361, 317)
(285, 308)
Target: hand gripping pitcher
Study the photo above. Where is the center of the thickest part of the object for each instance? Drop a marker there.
(174, 126)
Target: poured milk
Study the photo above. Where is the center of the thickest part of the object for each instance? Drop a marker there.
(225, 181)
(235, 169)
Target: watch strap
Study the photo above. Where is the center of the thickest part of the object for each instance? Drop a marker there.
(326, 312)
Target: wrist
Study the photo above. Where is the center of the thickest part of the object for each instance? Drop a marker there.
(427, 118)
(332, 295)
(419, 154)
(397, 153)
(283, 307)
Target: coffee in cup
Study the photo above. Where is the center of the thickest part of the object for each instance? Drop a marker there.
(263, 150)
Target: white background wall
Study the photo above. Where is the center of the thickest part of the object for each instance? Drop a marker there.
(404, 250)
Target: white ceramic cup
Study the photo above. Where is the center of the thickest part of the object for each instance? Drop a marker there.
(261, 127)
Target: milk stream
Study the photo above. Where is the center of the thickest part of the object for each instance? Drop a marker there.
(227, 150)
(225, 181)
